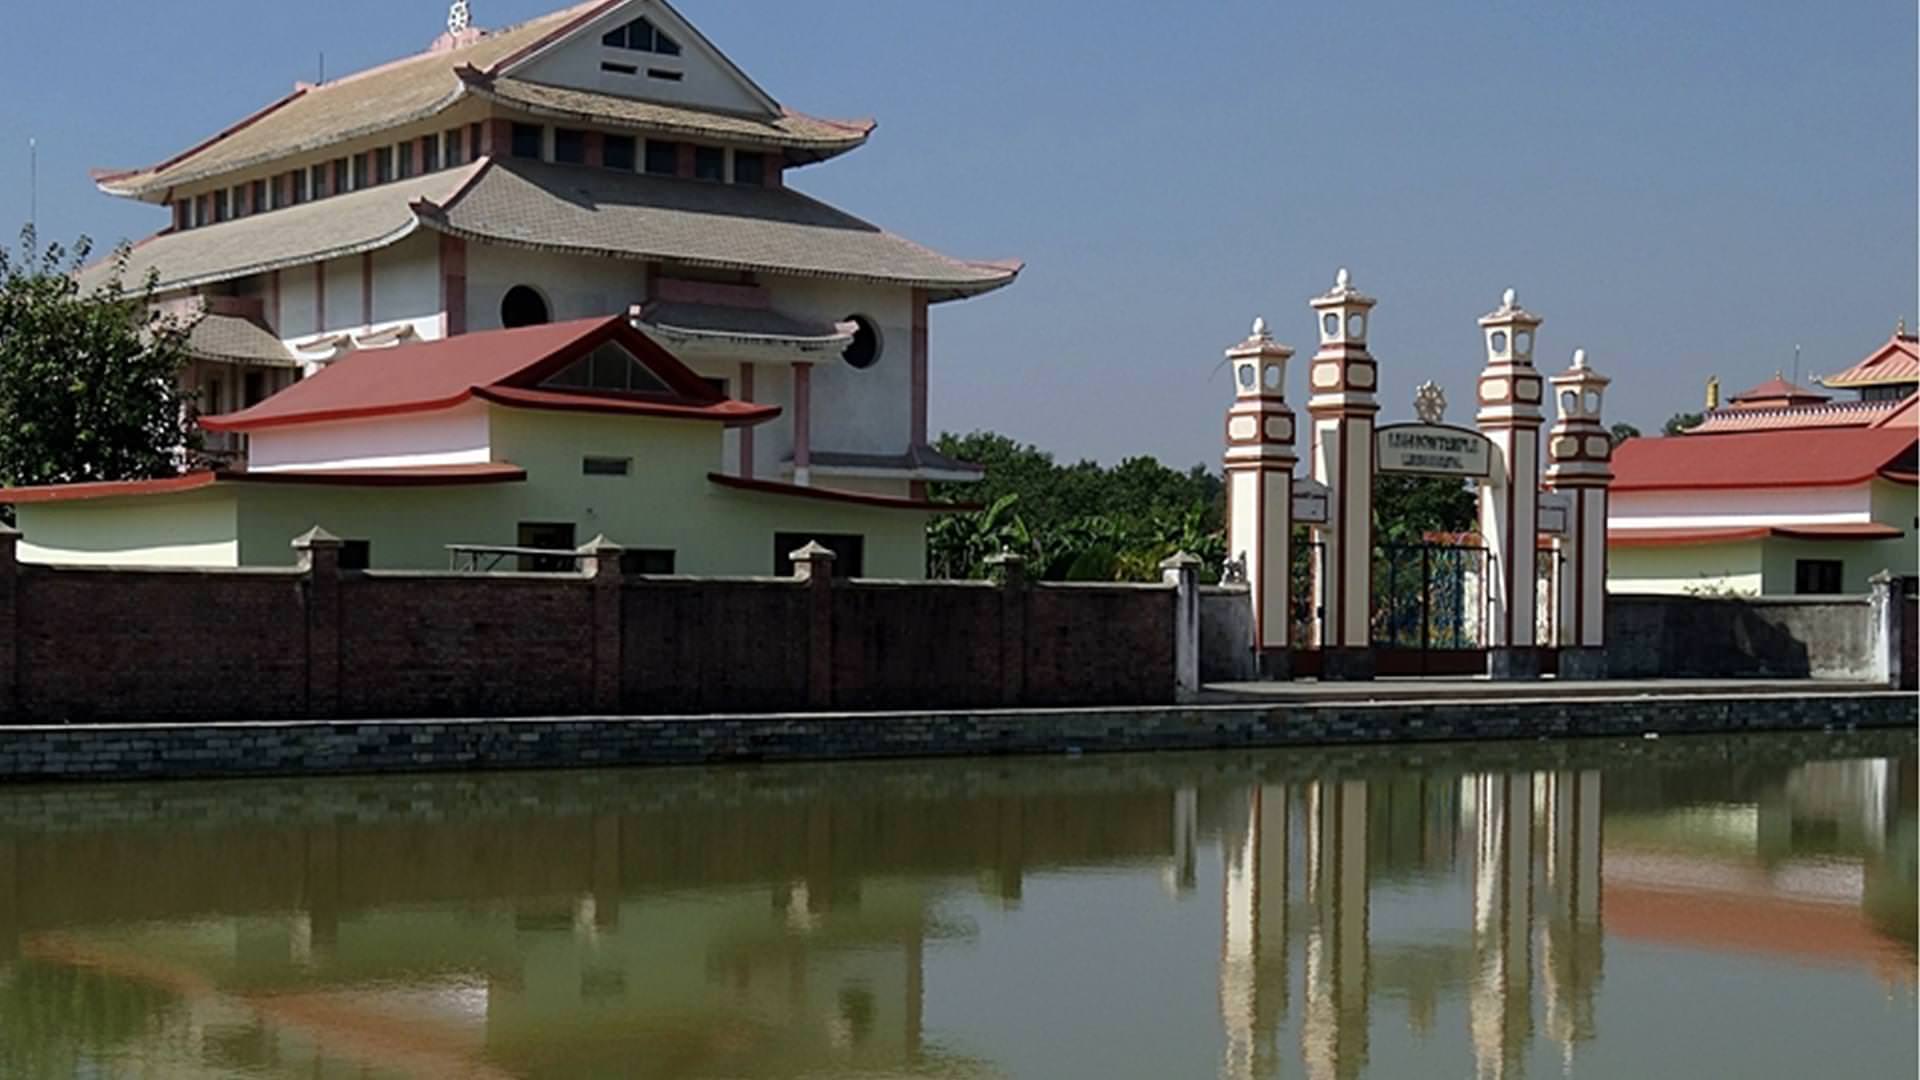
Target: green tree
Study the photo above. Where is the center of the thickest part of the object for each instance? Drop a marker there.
(1622, 432)
(1680, 422)
(1408, 507)
(89, 381)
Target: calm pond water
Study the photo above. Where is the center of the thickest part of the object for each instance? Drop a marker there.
(1698, 907)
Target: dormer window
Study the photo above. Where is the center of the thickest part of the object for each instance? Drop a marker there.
(609, 367)
(641, 36)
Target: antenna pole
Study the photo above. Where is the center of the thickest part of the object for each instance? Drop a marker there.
(323, 68)
(1796, 365)
(33, 184)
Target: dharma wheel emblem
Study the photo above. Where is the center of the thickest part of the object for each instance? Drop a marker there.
(459, 17)
(1430, 403)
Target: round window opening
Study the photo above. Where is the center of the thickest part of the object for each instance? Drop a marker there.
(522, 306)
(1499, 341)
(1330, 324)
(1356, 327)
(1523, 343)
(1273, 376)
(1246, 376)
(864, 350)
(1569, 403)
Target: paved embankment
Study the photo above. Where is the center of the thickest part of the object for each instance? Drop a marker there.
(105, 752)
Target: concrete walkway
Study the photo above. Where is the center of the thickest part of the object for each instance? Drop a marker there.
(1476, 688)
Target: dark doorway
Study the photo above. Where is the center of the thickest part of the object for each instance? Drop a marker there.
(522, 306)
(547, 535)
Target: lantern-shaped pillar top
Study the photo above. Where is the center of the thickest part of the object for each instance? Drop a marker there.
(1579, 448)
(1510, 389)
(1343, 312)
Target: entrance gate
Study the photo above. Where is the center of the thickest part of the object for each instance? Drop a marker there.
(1430, 609)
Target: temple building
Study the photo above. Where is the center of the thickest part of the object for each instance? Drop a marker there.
(606, 160)
(1781, 490)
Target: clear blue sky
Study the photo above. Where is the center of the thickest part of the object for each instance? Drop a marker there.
(1682, 188)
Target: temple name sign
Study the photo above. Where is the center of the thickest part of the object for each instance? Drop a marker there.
(1433, 450)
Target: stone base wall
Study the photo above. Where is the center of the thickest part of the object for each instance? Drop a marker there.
(1721, 637)
(118, 752)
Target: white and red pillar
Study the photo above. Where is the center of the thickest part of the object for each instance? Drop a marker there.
(1579, 453)
(1509, 416)
(1259, 469)
(1343, 380)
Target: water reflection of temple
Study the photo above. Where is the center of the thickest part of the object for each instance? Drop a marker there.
(786, 924)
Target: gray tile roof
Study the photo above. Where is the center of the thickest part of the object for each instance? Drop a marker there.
(361, 104)
(715, 320)
(698, 223)
(809, 138)
(236, 339)
(915, 459)
(329, 228)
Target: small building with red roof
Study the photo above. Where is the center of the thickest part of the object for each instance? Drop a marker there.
(1782, 491)
(539, 437)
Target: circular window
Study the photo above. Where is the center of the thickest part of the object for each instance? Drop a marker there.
(1246, 376)
(864, 350)
(522, 306)
(1330, 324)
(1356, 326)
(1499, 342)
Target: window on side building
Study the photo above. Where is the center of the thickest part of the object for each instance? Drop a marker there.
(403, 160)
(849, 551)
(526, 141)
(356, 554)
(383, 165)
(663, 158)
(430, 153)
(259, 196)
(222, 205)
(647, 561)
(1816, 577)
(569, 146)
(749, 169)
(456, 150)
(617, 152)
(360, 171)
(709, 163)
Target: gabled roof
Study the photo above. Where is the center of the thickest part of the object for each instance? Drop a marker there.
(1760, 459)
(1897, 361)
(505, 367)
(1778, 392)
(696, 223)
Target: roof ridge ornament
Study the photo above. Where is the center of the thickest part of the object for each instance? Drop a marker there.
(1430, 403)
(459, 17)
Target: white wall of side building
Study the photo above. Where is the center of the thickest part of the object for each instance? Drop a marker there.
(456, 436)
(406, 288)
(1752, 507)
(870, 410)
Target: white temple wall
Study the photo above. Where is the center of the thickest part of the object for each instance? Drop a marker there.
(406, 284)
(575, 286)
(867, 411)
(456, 436)
(704, 79)
(295, 321)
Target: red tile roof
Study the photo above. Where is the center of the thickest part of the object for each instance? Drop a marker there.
(504, 367)
(493, 472)
(1760, 459)
(1680, 537)
(1825, 415)
(1779, 390)
(1898, 361)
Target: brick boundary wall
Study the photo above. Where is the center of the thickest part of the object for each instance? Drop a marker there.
(120, 752)
(96, 645)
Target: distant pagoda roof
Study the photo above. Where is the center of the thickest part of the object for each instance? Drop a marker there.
(314, 117)
(1777, 392)
(1896, 362)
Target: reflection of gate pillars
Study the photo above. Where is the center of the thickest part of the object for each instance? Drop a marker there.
(1259, 467)
(1343, 407)
(1509, 503)
(1578, 450)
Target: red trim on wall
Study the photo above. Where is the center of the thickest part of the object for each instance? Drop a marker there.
(453, 285)
(746, 434)
(802, 416)
(919, 423)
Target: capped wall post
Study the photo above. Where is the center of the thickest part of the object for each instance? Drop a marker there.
(1509, 416)
(1343, 406)
(813, 564)
(600, 564)
(1182, 571)
(1259, 464)
(1009, 571)
(318, 552)
(1578, 453)
(9, 622)
(1883, 629)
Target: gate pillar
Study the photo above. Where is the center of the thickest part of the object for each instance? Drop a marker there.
(1578, 453)
(1509, 416)
(1343, 407)
(1259, 466)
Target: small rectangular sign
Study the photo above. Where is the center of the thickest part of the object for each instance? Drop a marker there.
(1553, 520)
(1433, 449)
(1310, 507)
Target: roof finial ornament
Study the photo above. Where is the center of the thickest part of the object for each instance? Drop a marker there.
(459, 17)
(1342, 279)
(1430, 403)
(1509, 299)
(1579, 359)
(1900, 328)
(1259, 328)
